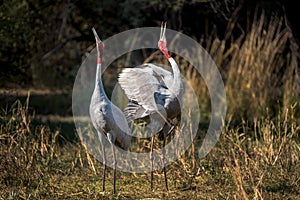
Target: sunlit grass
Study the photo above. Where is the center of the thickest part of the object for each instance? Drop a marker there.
(254, 160)
(259, 68)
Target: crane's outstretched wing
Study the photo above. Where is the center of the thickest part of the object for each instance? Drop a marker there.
(139, 85)
(144, 91)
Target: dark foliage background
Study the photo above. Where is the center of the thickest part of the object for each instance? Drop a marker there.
(44, 42)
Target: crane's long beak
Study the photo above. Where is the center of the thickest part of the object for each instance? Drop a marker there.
(100, 46)
(96, 35)
(162, 36)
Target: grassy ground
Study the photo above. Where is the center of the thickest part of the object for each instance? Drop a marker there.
(257, 160)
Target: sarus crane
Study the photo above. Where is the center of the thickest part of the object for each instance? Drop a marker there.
(108, 120)
(152, 89)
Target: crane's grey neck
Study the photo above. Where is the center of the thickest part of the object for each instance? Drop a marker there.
(177, 83)
(98, 83)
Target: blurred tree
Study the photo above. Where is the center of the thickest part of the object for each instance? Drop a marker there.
(15, 34)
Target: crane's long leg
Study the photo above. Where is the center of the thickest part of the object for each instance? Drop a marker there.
(101, 138)
(163, 159)
(104, 167)
(115, 166)
(114, 160)
(151, 161)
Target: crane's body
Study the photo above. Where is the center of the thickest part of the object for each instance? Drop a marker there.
(152, 89)
(108, 120)
(154, 86)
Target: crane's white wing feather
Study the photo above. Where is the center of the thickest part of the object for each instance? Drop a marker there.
(147, 88)
(139, 84)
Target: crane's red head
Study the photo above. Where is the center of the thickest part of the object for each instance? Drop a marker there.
(162, 43)
(100, 47)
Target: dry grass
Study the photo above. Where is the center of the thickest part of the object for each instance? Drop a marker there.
(254, 160)
(262, 157)
(259, 68)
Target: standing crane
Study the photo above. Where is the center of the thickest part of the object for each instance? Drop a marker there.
(152, 89)
(108, 120)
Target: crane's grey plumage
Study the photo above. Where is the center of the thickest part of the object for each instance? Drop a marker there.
(108, 119)
(152, 89)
